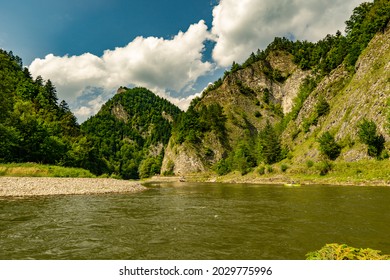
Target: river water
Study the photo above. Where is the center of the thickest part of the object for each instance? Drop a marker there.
(196, 221)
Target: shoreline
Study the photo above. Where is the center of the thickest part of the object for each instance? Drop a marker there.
(48, 186)
(274, 180)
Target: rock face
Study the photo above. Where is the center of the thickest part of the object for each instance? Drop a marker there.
(120, 113)
(242, 110)
(351, 97)
(182, 160)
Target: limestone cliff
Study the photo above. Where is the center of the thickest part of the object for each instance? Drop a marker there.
(352, 97)
(243, 98)
(251, 97)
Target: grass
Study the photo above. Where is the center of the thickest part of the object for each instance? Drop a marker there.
(368, 172)
(364, 172)
(40, 170)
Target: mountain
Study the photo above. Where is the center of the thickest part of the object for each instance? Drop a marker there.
(295, 104)
(130, 132)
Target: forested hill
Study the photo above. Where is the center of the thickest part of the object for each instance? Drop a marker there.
(126, 139)
(130, 132)
(295, 107)
(34, 127)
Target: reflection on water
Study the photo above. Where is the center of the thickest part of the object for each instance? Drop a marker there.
(196, 221)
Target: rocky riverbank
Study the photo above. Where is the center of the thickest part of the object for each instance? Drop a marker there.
(38, 186)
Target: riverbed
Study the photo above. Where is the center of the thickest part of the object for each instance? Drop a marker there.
(195, 221)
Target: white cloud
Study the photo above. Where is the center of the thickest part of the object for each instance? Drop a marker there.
(241, 27)
(156, 63)
(175, 64)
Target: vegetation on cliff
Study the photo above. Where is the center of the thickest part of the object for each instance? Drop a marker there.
(325, 82)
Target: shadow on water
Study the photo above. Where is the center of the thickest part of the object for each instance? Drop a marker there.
(196, 221)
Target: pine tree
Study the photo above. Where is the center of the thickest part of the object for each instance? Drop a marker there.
(270, 146)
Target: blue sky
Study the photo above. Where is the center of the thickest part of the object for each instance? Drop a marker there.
(34, 28)
(89, 48)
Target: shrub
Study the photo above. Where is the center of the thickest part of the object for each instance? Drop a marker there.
(322, 107)
(222, 167)
(324, 167)
(261, 170)
(336, 251)
(328, 146)
(266, 96)
(283, 167)
(309, 163)
(368, 135)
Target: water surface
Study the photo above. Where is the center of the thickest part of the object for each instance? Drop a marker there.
(196, 221)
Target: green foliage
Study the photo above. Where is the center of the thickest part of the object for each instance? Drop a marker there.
(322, 108)
(336, 251)
(328, 53)
(40, 170)
(235, 67)
(309, 163)
(243, 158)
(261, 170)
(214, 86)
(305, 89)
(388, 115)
(366, 20)
(324, 167)
(149, 167)
(266, 96)
(367, 133)
(170, 169)
(283, 167)
(33, 126)
(328, 146)
(126, 128)
(222, 167)
(245, 90)
(192, 125)
(269, 145)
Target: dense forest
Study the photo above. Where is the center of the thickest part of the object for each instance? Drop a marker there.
(34, 127)
(130, 132)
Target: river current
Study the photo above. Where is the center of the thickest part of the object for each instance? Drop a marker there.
(196, 221)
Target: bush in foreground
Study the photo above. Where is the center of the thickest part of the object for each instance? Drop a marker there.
(337, 251)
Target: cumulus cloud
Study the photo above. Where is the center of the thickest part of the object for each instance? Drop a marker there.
(174, 65)
(156, 63)
(240, 27)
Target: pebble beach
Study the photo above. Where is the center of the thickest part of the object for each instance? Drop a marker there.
(38, 186)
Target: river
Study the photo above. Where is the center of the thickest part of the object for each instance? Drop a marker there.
(196, 221)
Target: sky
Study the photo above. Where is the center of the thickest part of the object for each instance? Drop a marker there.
(89, 48)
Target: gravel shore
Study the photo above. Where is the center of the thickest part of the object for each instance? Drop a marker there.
(38, 186)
